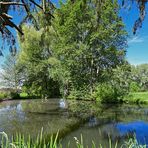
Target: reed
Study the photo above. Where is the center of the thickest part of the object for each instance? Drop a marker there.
(19, 141)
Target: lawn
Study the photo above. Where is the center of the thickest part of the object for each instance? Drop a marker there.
(137, 97)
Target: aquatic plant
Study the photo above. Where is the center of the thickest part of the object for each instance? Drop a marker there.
(19, 141)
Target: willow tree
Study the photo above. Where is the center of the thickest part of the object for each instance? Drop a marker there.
(142, 12)
(27, 7)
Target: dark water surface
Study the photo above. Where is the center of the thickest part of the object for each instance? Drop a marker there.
(117, 122)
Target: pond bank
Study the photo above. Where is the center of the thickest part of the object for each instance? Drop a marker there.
(131, 98)
(137, 98)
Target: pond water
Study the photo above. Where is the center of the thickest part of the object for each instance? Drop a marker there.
(94, 122)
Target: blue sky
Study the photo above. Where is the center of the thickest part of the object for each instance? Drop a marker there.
(137, 51)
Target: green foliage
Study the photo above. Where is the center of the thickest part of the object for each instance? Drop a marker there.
(140, 76)
(19, 141)
(3, 95)
(115, 86)
(84, 45)
(72, 53)
(14, 95)
(105, 93)
(134, 87)
(33, 58)
(79, 94)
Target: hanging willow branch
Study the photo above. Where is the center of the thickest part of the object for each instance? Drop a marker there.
(28, 6)
(45, 5)
(142, 12)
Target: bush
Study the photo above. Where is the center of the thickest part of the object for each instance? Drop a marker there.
(79, 94)
(15, 95)
(107, 93)
(134, 87)
(4, 95)
(104, 93)
(115, 85)
(74, 94)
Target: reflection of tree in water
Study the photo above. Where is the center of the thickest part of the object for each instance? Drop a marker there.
(28, 117)
(124, 113)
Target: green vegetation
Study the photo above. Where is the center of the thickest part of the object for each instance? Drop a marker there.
(3, 95)
(76, 51)
(137, 97)
(80, 54)
(139, 75)
(75, 55)
(20, 142)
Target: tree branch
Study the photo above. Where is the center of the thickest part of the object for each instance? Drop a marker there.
(11, 3)
(32, 1)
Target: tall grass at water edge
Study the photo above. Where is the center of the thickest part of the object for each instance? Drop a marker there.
(20, 142)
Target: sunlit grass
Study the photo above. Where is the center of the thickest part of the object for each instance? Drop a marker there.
(137, 97)
(20, 142)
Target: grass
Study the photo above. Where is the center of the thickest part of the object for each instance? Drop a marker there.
(7, 95)
(137, 97)
(20, 142)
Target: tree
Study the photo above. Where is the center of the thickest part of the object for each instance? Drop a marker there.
(45, 6)
(140, 76)
(90, 40)
(28, 7)
(11, 76)
(33, 58)
(142, 12)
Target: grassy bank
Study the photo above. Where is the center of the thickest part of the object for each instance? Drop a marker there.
(9, 95)
(133, 97)
(137, 97)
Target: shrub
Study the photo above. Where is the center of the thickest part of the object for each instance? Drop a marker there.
(4, 95)
(79, 94)
(134, 87)
(104, 93)
(14, 95)
(115, 85)
(108, 93)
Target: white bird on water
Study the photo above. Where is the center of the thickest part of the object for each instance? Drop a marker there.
(62, 103)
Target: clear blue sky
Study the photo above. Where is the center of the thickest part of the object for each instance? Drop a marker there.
(137, 51)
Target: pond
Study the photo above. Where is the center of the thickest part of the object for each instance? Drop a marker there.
(73, 118)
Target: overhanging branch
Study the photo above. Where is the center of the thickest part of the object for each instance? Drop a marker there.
(11, 3)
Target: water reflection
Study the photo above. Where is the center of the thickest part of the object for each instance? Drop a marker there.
(118, 122)
(29, 116)
(92, 121)
(139, 128)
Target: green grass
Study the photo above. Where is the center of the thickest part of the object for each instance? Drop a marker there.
(137, 97)
(6, 95)
(21, 142)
